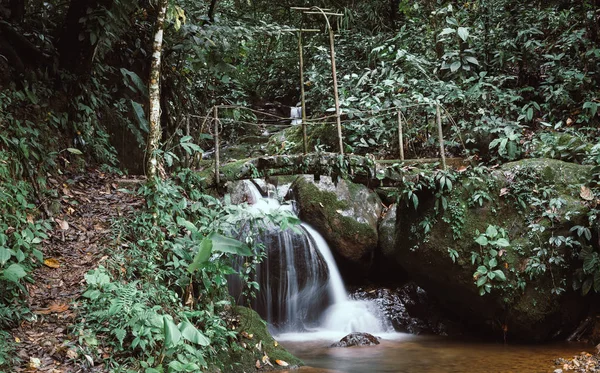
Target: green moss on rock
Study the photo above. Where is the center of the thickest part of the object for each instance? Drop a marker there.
(254, 334)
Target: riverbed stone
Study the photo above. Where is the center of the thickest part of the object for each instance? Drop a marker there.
(527, 306)
(347, 216)
(357, 339)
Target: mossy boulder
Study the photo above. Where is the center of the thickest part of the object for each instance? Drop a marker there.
(253, 344)
(347, 215)
(534, 302)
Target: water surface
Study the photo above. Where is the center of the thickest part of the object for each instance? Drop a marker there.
(405, 353)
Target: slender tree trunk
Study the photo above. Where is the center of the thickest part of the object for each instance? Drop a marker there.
(211, 10)
(154, 133)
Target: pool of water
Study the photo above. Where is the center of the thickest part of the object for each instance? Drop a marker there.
(405, 353)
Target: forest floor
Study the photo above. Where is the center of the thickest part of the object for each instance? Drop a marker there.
(79, 242)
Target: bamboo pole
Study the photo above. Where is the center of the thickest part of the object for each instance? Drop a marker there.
(217, 165)
(440, 135)
(304, 136)
(335, 90)
(400, 136)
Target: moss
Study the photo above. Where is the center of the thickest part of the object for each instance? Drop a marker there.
(329, 203)
(244, 357)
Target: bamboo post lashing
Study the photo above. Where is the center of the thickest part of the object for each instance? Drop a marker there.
(217, 165)
(304, 136)
(440, 135)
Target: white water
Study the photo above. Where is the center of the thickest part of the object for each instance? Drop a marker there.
(344, 315)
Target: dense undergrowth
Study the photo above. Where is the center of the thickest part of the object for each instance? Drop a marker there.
(514, 79)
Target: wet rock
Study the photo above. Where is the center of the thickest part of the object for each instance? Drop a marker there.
(357, 339)
(582, 363)
(347, 215)
(409, 309)
(534, 312)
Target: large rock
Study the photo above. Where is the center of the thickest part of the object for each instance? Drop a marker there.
(529, 305)
(410, 309)
(346, 214)
(357, 339)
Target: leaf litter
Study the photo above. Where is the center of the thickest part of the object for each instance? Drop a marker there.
(75, 246)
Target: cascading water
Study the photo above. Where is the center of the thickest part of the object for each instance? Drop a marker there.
(301, 286)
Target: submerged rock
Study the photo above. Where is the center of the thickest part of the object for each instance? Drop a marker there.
(357, 339)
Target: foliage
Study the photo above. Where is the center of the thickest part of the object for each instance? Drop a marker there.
(492, 243)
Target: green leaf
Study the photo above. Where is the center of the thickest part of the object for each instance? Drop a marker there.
(4, 256)
(500, 275)
(202, 255)
(14, 273)
(137, 81)
(140, 115)
(463, 33)
(587, 285)
(455, 66)
(192, 334)
(482, 269)
(530, 113)
(472, 60)
(493, 262)
(172, 333)
(502, 242)
(447, 31)
(74, 151)
(491, 231)
(482, 240)
(187, 225)
(229, 245)
(481, 280)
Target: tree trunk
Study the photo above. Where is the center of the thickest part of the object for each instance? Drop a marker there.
(211, 10)
(76, 45)
(154, 133)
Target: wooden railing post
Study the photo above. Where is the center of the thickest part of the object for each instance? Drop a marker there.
(335, 91)
(304, 137)
(440, 135)
(217, 165)
(400, 135)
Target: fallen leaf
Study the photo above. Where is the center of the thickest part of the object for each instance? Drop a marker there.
(89, 359)
(275, 344)
(259, 346)
(586, 193)
(281, 363)
(503, 192)
(53, 308)
(52, 263)
(30, 219)
(34, 363)
(71, 354)
(17, 340)
(462, 169)
(62, 224)
(258, 364)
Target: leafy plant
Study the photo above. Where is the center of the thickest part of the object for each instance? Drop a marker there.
(492, 244)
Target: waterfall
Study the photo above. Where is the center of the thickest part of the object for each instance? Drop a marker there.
(301, 286)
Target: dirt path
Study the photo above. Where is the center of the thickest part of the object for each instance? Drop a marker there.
(78, 243)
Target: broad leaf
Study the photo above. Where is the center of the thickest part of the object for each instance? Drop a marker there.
(482, 240)
(14, 273)
(192, 334)
(463, 33)
(172, 333)
(224, 244)
(202, 255)
(500, 275)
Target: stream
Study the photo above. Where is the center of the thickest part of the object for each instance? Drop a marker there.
(407, 353)
(290, 304)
